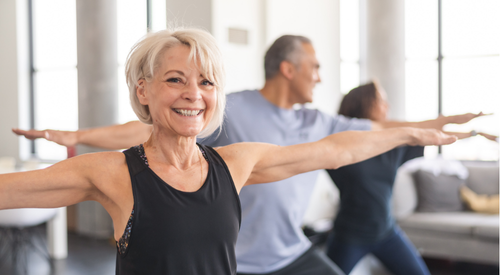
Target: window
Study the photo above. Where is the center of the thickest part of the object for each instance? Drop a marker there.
(54, 73)
(453, 61)
(54, 69)
(349, 45)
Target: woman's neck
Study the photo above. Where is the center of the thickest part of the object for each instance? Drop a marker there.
(178, 151)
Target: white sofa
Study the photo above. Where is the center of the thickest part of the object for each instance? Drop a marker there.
(462, 235)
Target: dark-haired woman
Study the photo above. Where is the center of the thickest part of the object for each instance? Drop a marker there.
(364, 223)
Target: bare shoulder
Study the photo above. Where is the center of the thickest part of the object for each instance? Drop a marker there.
(239, 160)
(241, 150)
(97, 167)
(247, 161)
(100, 160)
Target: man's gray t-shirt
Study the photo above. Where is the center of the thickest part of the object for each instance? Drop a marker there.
(270, 236)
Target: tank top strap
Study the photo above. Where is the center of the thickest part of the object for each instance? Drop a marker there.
(211, 154)
(134, 162)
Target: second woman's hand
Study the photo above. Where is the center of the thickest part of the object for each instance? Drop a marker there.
(488, 136)
(464, 118)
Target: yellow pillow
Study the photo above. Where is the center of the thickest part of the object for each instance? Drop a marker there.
(480, 203)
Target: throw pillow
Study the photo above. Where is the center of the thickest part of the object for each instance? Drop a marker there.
(480, 203)
(438, 193)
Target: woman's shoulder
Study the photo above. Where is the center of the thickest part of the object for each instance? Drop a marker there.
(109, 163)
(110, 156)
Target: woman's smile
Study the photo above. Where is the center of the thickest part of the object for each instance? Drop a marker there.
(188, 112)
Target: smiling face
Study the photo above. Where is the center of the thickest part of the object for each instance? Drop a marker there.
(306, 75)
(181, 101)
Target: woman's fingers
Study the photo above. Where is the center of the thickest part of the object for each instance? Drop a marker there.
(30, 134)
(447, 139)
(488, 136)
(64, 138)
(464, 118)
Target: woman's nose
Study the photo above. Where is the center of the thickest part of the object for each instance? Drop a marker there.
(191, 92)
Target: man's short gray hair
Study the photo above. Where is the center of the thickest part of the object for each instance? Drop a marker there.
(286, 48)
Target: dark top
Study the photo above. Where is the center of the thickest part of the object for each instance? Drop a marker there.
(176, 232)
(365, 195)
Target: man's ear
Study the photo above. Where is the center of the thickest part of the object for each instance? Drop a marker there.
(287, 69)
(141, 92)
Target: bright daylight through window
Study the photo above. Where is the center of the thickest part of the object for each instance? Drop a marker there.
(470, 49)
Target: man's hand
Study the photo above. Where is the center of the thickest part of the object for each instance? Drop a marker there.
(425, 137)
(65, 138)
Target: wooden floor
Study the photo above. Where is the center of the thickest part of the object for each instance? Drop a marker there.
(88, 256)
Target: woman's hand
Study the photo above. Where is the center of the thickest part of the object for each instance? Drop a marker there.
(488, 136)
(464, 118)
(65, 138)
(437, 123)
(112, 137)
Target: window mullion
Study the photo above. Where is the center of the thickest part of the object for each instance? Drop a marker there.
(31, 75)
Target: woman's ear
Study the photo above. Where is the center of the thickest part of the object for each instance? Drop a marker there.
(141, 91)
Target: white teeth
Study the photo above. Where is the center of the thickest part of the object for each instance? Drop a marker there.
(188, 112)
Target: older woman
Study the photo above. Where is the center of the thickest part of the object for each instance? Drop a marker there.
(364, 223)
(174, 203)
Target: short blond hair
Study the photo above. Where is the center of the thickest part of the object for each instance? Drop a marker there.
(146, 57)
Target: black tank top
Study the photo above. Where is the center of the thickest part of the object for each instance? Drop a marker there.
(181, 233)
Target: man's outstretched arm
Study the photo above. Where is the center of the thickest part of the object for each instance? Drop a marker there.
(113, 137)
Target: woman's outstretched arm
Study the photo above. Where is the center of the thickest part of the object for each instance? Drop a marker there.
(437, 123)
(86, 177)
(110, 137)
(252, 163)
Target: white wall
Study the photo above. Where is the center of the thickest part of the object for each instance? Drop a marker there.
(244, 63)
(319, 21)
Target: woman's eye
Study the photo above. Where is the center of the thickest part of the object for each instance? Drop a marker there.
(207, 83)
(174, 80)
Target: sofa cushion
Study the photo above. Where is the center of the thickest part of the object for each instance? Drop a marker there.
(487, 228)
(438, 193)
(483, 177)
